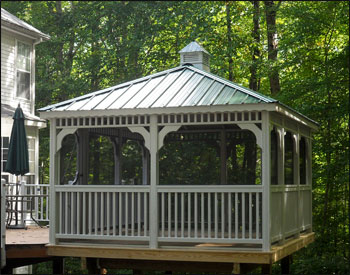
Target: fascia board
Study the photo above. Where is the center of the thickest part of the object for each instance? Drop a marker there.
(159, 111)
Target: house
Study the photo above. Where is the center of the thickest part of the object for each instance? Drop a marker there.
(252, 206)
(18, 41)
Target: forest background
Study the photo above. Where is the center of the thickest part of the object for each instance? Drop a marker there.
(294, 51)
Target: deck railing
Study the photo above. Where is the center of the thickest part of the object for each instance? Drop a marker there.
(215, 214)
(103, 212)
(30, 201)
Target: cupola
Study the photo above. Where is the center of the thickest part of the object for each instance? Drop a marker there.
(196, 55)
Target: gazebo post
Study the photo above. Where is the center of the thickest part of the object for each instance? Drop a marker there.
(117, 145)
(223, 156)
(53, 174)
(153, 200)
(266, 222)
(281, 180)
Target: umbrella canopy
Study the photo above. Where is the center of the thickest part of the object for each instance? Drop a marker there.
(18, 160)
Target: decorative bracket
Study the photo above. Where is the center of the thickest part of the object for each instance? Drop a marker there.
(61, 136)
(253, 128)
(143, 132)
(166, 130)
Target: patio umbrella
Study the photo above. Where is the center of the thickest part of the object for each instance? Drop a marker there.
(18, 160)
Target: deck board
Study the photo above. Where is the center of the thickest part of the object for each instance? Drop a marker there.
(31, 235)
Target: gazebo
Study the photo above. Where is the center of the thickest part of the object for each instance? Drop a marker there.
(259, 195)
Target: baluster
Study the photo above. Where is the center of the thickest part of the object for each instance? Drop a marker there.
(236, 215)
(202, 215)
(120, 213)
(90, 214)
(169, 214)
(60, 227)
(132, 213)
(78, 213)
(95, 213)
(146, 214)
(257, 218)
(66, 213)
(216, 215)
(84, 213)
(176, 195)
(114, 194)
(209, 215)
(195, 215)
(163, 214)
(222, 215)
(229, 211)
(243, 215)
(139, 214)
(102, 213)
(108, 194)
(182, 215)
(250, 215)
(126, 213)
(189, 215)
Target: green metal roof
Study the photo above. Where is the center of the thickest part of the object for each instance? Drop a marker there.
(182, 86)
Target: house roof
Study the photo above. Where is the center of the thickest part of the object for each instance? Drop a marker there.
(13, 22)
(184, 86)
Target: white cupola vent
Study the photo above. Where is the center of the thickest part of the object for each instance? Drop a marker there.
(196, 55)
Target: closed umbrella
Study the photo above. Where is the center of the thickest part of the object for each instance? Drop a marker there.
(18, 160)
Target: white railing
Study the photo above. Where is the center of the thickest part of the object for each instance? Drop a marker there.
(291, 210)
(102, 212)
(215, 214)
(41, 203)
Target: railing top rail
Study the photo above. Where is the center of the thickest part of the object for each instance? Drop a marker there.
(102, 188)
(210, 188)
(39, 185)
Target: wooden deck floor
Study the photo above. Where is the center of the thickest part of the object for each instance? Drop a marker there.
(31, 235)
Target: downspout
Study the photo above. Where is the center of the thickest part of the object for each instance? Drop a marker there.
(36, 42)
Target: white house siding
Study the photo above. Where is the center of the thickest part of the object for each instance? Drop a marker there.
(8, 73)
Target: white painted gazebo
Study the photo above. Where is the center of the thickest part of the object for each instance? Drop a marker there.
(186, 102)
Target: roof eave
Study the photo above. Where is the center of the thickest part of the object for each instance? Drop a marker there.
(14, 28)
(158, 111)
(295, 115)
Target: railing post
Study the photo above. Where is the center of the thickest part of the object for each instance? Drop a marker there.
(266, 221)
(52, 181)
(3, 222)
(153, 209)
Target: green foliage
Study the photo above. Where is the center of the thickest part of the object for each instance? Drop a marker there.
(97, 44)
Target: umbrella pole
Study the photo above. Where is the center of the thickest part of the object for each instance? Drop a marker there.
(16, 206)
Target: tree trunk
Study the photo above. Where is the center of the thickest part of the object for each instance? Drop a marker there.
(271, 10)
(229, 41)
(253, 81)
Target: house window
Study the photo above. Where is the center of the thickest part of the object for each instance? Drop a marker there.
(4, 152)
(23, 64)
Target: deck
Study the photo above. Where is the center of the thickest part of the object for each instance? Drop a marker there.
(26, 246)
(206, 255)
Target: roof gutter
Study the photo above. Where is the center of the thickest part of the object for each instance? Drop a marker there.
(24, 34)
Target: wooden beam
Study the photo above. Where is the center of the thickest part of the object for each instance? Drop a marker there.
(184, 254)
(26, 251)
(288, 248)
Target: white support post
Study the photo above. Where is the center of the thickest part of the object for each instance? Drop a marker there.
(266, 221)
(223, 156)
(297, 178)
(281, 181)
(309, 171)
(53, 174)
(153, 210)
